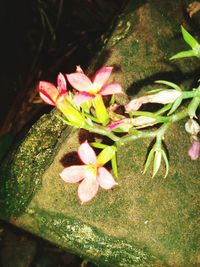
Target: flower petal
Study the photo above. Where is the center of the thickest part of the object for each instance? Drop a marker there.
(101, 76)
(87, 154)
(79, 81)
(61, 84)
(48, 92)
(134, 104)
(46, 99)
(82, 97)
(110, 89)
(105, 178)
(73, 174)
(88, 187)
(115, 124)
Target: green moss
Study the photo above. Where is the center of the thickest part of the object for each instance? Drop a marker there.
(91, 243)
(20, 173)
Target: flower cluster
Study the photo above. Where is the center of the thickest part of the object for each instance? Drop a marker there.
(83, 107)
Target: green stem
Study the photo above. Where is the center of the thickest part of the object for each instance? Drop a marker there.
(101, 130)
(191, 94)
(192, 107)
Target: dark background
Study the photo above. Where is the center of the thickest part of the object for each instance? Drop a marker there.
(39, 39)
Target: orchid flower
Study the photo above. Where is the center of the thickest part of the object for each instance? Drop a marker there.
(51, 94)
(91, 175)
(57, 96)
(88, 88)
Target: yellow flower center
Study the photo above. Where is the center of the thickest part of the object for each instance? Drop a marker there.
(94, 89)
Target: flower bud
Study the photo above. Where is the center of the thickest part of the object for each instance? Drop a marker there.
(194, 150)
(106, 154)
(163, 97)
(192, 127)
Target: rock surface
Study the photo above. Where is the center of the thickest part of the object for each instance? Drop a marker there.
(143, 221)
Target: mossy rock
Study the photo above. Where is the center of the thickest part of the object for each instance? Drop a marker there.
(142, 221)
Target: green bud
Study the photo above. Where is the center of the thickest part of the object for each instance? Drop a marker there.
(157, 162)
(73, 115)
(100, 109)
(106, 154)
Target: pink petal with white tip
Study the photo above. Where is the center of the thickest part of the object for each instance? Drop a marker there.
(48, 92)
(73, 174)
(105, 178)
(115, 124)
(79, 81)
(101, 76)
(82, 97)
(110, 89)
(88, 187)
(46, 99)
(87, 154)
(61, 84)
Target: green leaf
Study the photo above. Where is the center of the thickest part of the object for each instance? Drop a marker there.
(106, 154)
(164, 109)
(143, 113)
(175, 105)
(112, 100)
(149, 160)
(91, 117)
(114, 166)
(192, 107)
(74, 117)
(64, 120)
(154, 91)
(157, 162)
(100, 109)
(166, 163)
(190, 40)
(188, 53)
(170, 84)
(98, 145)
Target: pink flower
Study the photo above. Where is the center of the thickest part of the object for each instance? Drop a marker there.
(194, 150)
(51, 94)
(91, 175)
(89, 89)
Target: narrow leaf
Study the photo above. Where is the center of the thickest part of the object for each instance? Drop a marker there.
(188, 53)
(64, 120)
(170, 84)
(166, 163)
(189, 38)
(157, 162)
(100, 109)
(98, 145)
(155, 91)
(106, 155)
(164, 109)
(175, 105)
(148, 161)
(112, 100)
(114, 166)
